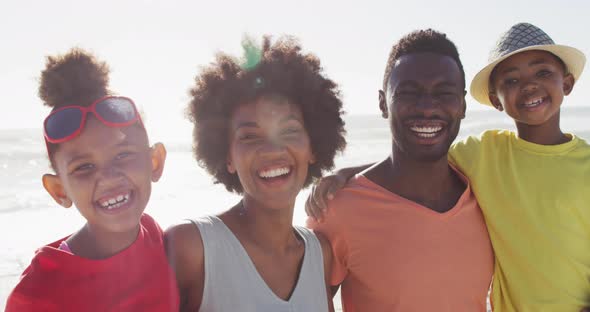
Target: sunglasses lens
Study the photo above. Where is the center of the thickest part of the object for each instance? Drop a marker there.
(116, 110)
(63, 123)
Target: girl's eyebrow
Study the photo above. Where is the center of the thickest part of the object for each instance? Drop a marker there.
(126, 142)
(77, 157)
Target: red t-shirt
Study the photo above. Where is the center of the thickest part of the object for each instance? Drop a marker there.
(136, 279)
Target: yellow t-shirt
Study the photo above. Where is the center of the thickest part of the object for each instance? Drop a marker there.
(536, 204)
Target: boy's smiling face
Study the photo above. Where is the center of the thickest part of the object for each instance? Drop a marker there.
(530, 86)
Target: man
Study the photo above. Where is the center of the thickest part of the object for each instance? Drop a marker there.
(407, 233)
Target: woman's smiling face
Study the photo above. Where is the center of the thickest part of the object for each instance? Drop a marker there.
(269, 150)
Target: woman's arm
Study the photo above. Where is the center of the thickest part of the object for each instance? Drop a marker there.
(185, 252)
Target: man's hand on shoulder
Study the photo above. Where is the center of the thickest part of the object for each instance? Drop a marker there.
(316, 205)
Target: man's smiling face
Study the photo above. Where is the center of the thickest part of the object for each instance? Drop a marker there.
(425, 102)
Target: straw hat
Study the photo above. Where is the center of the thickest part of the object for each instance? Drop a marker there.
(519, 38)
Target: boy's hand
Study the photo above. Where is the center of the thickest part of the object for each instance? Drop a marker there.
(316, 205)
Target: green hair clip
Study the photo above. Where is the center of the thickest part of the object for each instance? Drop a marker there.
(252, 53)
(252, 57)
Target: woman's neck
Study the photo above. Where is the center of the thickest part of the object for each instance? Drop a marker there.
(268, 227)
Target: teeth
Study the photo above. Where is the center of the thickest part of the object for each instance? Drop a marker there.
(426, 130)
(113, 203)
(427, 135)
(533, 103)
(274, 172)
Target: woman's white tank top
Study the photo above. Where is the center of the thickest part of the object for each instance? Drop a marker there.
(233, 284)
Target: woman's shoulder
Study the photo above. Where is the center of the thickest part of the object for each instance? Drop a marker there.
(185, 251)
(317, 239)
(183, 238)
(326, 256)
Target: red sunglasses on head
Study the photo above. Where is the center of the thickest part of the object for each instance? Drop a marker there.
(67, 122)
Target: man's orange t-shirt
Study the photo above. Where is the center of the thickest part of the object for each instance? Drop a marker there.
(392, 254)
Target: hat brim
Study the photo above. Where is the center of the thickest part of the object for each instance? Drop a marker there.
(573, 59)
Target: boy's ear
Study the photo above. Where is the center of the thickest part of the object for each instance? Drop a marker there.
(568, 83)
(158, 155)
(383, 104)
(495, 101)
(54, 187)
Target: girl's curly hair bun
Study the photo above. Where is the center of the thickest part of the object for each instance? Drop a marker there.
(73, 78)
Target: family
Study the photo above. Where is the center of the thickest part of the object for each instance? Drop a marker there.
(434, 226)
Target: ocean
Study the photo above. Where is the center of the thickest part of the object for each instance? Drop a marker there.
(29, 218)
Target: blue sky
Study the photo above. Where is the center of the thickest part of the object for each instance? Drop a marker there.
(155, 48)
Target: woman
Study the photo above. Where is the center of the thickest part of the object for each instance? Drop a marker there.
(265, 129)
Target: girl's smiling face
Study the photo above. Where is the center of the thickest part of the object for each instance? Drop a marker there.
(530, 86)
(269, 150)
(106, 173)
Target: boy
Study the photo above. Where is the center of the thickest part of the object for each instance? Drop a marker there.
(532, 185)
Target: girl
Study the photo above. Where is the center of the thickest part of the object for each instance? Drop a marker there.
(104, 166)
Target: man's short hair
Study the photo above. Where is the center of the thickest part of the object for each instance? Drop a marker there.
(422, 41)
